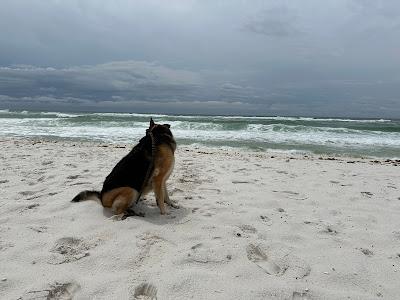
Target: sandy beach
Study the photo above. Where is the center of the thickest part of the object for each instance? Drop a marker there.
(251, 225)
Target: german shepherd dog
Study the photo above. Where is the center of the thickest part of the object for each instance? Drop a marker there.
(146, 167)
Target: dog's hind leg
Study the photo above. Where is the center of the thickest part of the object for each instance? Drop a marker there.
(119, 199)
(120, 204)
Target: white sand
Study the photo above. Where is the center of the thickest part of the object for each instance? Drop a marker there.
(249, 227)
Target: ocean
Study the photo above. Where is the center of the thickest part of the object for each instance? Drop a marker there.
(329, 136)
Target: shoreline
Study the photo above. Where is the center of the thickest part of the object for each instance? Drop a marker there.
(291, 154)
(249, 226)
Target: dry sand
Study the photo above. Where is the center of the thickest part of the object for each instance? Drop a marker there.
(249, 227)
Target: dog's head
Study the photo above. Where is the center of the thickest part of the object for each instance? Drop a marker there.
(159, 129)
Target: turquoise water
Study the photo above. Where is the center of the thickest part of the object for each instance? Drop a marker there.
(352, 137)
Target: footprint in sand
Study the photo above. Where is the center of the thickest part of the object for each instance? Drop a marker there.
(31, 206)
(261, 259)
(63, 291)
(266, 220)
(208, 214)
(27, 193)
(281, 172)
(329, 229)
(296, 267)
(292, 195)
(285, 264)
(366, 252)
(46, 163)
(145, 242)
(38, 229)
(367, 194)
(69, 249)
(300, 296)
(57, 291)
(208, 253)
(41, 179)
(247, 228)
(175, 191)
(145, 291)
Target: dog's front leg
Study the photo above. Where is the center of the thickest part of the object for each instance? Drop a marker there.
(167, 200)
(160, 195)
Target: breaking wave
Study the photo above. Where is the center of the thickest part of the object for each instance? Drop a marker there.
(367, 137)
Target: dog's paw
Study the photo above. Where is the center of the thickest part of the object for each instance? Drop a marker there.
(119, 217)
(131, 213)
(173, 205)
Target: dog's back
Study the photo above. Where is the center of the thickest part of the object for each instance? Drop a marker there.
(131, 170)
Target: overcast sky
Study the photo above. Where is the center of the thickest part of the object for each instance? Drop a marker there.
(309, 57)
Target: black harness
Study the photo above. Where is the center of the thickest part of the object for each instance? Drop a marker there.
(151, 166)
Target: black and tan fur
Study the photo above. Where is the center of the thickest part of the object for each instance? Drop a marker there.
(153, 157)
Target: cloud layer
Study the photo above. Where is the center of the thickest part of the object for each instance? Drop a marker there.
(339, 57)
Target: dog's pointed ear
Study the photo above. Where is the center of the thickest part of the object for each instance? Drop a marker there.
(167, 125)
(151, 123)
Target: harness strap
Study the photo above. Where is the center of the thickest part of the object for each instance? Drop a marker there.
(151, 166)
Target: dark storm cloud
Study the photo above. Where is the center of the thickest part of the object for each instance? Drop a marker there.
(98, 82)
(150, 87)
(115, 85)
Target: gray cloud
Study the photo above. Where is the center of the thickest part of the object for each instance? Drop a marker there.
(127, 78)
(274, 22)
(150, 87)
(385, 8)
(115, 85)
(248, 57)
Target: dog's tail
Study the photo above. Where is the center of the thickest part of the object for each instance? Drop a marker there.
(87, 195)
